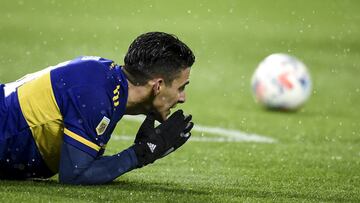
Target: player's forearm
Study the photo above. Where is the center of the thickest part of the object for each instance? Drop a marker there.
(98, 171)
(106, 169)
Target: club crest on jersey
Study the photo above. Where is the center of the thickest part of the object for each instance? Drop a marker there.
(104, 123)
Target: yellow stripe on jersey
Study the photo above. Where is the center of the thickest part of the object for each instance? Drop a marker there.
(116, 96)
(82, 140)
(42, 114)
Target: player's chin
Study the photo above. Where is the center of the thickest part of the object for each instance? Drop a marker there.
(161, 116)
(164, 115)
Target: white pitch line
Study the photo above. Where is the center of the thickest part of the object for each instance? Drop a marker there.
(194, 139)
(226, 135)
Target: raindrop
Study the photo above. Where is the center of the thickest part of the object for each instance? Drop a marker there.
(21, 167)
(157, 131)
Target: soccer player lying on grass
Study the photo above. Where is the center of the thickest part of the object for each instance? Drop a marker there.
(59, 120)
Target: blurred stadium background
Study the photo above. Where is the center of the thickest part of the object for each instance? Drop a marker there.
(316, 156)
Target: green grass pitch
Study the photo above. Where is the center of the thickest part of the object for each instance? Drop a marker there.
(317, 154)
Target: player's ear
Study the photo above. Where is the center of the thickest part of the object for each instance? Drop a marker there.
(157, 85)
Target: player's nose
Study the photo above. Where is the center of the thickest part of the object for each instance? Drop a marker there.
(182, 97)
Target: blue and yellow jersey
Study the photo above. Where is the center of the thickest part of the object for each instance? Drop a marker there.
(78, 102)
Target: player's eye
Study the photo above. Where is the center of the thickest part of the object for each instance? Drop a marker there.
(182, 88)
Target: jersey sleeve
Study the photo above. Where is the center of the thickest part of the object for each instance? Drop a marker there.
(87, 119)
(77, 167)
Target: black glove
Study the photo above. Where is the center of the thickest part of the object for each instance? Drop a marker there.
(153, 143)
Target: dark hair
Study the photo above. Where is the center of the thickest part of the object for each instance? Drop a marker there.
(155, 54)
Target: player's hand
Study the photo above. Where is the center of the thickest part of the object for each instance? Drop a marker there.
(153, 143)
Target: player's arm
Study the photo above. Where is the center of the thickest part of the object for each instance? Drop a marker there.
(79, 167)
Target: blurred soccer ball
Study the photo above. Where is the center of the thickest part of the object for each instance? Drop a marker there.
(281, 82)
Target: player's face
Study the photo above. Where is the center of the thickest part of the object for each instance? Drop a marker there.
(171, 95)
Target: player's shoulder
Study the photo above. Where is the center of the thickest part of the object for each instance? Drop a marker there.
(84, 64)
(83, 70)
(92, 64)
(93, 61)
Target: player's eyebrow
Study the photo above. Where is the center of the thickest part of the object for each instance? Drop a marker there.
(186, 83)
(183, 86)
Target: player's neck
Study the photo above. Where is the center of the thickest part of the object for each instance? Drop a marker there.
(139, 99)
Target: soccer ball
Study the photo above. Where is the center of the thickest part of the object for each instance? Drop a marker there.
(281, 82)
